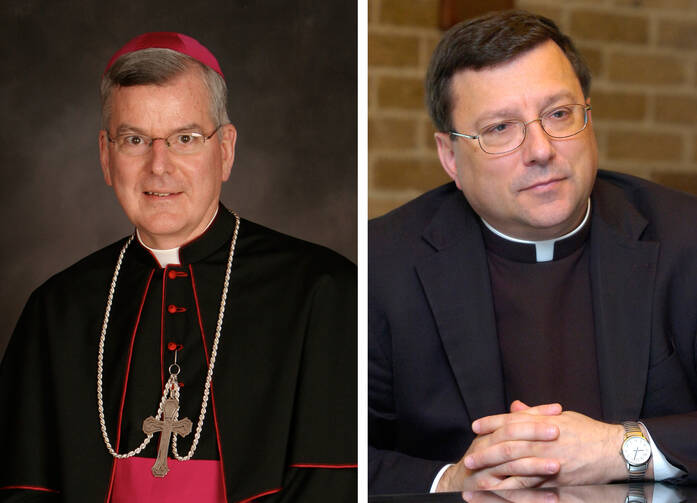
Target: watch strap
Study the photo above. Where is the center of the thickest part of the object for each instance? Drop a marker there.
(636, 472)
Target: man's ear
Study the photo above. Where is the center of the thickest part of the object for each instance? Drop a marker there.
(104, 156)
(228, 137)
(446, 154)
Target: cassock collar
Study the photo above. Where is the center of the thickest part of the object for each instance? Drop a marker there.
(164, 257)
(213, 238)
(521, 250)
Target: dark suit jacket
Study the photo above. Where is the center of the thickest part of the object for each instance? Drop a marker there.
(434, 363)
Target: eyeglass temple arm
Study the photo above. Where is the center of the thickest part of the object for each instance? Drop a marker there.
(463, 135)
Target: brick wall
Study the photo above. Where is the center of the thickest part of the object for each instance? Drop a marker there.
(643, 55)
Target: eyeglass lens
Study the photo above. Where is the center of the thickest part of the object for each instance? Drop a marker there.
(508, 135)
(181, 143)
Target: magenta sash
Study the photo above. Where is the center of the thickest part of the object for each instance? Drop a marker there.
(196, 480)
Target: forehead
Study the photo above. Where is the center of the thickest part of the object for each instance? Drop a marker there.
(184, 99)
(529, 82)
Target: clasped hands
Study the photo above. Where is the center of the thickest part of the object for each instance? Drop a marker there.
(537, 446)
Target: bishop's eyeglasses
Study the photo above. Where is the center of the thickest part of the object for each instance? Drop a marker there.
(505, 136)
(134, 144)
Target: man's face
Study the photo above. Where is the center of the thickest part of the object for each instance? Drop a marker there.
(169, 197)
(538, 191)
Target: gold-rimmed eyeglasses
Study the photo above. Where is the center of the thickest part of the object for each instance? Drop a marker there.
(183, 142)
(505, 136)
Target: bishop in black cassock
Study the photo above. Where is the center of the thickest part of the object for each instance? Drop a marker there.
(235, 348)
(282, 416)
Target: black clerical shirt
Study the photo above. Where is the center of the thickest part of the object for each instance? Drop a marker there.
(544, 322)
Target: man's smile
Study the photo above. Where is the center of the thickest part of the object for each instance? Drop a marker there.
(160, 194)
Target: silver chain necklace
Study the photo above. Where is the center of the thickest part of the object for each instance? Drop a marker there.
(171, 389)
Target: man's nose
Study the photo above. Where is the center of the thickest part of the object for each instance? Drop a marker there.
(537, 146)
(159, 156)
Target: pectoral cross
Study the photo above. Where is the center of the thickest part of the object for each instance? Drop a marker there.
(166, 427)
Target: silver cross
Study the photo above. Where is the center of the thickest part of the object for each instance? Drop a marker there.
(166, 427)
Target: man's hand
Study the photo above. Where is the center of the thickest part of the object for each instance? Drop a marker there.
(586, 450)
(515, 436)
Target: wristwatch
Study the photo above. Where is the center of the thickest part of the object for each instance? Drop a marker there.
(635, 450)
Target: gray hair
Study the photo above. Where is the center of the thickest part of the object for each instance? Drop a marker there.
(157, 67)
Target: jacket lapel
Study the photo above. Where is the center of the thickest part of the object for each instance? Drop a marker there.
(622, 283)
(456, 283)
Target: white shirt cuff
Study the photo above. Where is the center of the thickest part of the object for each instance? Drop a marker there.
(434, 486)
(662, 469)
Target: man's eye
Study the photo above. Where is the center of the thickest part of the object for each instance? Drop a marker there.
(133, 140)
(187, 139)
(500, 128)
(560, 113)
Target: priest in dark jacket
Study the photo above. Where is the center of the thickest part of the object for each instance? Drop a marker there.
(204, 358)
(533, 322)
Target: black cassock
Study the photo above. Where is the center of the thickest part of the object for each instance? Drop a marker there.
(282, 418)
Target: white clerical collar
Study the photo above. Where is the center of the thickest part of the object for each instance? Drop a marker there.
(170, 256)
(544, 250)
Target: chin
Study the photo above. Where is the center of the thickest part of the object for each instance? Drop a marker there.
(553, 226)
(161, 229)
(163, 220)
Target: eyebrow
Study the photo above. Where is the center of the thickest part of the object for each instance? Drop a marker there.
(511, 113)
(127, 128)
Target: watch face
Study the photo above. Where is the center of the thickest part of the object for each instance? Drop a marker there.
(636, 451)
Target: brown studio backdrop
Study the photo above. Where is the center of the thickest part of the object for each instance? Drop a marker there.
(291, 71)
(643, 55)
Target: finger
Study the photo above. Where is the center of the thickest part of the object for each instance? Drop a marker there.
(517, 406)
(511, 432)
(525, 472)
(519, 482)
(547, 409)
(528, 469)
(500, 453)
(531, 431)
(487, 424)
